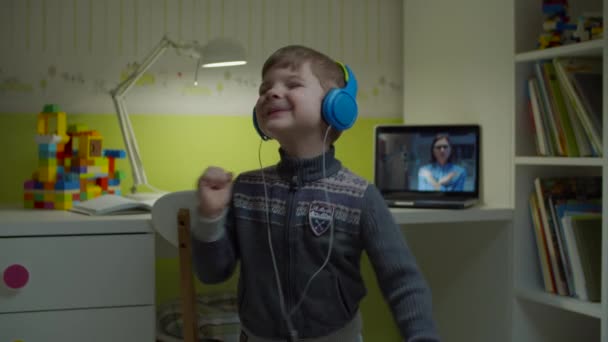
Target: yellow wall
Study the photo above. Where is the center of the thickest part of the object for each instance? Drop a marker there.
(175, 149)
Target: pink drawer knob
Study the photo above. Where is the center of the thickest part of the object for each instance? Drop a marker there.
(16, 276)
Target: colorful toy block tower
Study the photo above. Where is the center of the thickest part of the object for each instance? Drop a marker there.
(72, 164)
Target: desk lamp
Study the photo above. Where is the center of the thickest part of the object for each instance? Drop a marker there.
(218, 52)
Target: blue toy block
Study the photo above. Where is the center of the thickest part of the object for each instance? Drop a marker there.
(46, 154)
(47, 147)
(65, 185)
(120, 154)
(39, 186)
(553, 9)
(72, 177)
(113, 182)
(79, 169)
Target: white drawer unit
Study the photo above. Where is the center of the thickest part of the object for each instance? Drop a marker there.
(128, 324)
(69, 277)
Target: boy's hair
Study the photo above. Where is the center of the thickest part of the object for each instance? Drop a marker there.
(329, 73)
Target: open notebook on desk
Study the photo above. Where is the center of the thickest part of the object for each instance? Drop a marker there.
(113, 205)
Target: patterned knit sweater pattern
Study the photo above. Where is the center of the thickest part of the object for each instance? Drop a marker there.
(309, 209)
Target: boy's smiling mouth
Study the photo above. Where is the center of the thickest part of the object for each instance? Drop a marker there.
(276, 109)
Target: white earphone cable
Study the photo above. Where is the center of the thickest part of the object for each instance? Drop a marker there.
(287, 315)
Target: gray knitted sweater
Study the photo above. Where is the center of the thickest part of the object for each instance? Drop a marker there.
(301, 225)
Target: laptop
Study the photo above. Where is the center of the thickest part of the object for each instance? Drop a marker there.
(427, 166)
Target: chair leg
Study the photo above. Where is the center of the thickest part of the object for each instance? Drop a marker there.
(187, 293)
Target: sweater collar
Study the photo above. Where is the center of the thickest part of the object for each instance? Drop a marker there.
(299, 171)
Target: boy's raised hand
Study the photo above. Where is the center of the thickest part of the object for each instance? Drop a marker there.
(214, 191)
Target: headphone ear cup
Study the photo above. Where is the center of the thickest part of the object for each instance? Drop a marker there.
(339, 109)
(257, 127)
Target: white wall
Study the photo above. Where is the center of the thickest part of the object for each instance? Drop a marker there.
(71, 52)
(458, 68)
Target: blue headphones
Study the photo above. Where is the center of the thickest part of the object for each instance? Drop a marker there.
(339, 108)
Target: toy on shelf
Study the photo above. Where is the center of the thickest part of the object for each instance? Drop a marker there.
(590, 26)
(557, 28)
(72, 164)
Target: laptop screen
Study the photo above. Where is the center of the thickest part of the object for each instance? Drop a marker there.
(427, 160)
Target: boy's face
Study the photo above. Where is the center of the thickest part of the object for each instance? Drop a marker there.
(289, 106)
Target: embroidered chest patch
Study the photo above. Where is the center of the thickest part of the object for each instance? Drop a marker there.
(320, 217)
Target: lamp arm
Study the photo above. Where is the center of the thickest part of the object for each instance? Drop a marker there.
(118, 97)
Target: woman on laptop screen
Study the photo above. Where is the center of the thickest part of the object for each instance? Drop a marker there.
(441, 174)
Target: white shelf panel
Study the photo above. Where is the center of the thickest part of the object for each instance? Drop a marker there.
(593, 47)
(559, 161)
(477, 213)
(561, 302)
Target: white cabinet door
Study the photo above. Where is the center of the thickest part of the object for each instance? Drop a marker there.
(128, 324)
(72, 272)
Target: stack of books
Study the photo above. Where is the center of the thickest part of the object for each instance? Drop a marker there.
(565, 106)
(567, 220)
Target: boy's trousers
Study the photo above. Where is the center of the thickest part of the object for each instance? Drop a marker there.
(351, 332)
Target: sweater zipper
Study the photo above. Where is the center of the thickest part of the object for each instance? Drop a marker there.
(293, 188)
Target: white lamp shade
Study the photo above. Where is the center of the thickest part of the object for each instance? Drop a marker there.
(223, 52)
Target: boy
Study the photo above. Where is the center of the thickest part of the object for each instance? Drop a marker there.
(299, 228)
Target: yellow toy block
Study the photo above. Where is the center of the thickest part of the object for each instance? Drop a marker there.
(47, 174)
(42, 126)
(100, 162)
(90, 146)
(77, 128)
(47, 162)
(61, 196)
(87, 176)
(49, 197)
(63, 205)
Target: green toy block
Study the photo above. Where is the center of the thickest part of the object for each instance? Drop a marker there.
(119, 175)
(50, 108)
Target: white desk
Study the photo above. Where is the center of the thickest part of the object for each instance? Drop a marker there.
(92, 278)
(76, 278)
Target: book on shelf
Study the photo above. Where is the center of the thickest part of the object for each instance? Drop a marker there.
(583, 233)
(112, 205)
(565, 104)
(559, 209)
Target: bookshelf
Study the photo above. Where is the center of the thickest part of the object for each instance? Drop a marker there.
(536, 314)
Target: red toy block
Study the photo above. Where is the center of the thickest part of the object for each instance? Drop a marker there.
(103, 183)
(111, 165)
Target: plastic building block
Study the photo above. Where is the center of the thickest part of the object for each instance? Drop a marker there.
(50, 108)
(119, 154)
